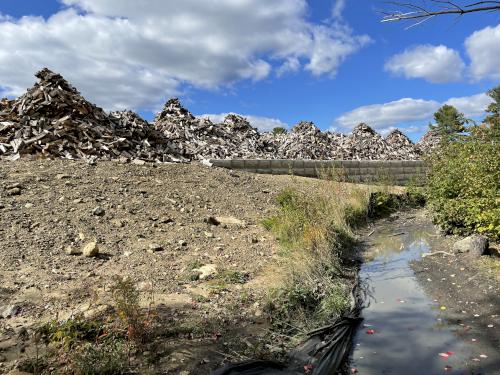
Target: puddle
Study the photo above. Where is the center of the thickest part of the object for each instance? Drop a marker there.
(403, 332)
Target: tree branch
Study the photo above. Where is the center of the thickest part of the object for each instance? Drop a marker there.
(417, 12)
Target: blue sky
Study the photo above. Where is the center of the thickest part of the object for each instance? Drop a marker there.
(281, 61)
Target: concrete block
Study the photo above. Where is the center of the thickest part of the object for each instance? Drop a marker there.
(262, 163)
(252, 163)
(310, 164)
(238, 163)
(222, 163)
(298, 164)
(350, 163)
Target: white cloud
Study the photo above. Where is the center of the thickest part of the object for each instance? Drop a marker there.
(414, 114)
(436, 64)
(483, 48)
(471, 106)
(264, 124)
(338, 8)
(121, 54)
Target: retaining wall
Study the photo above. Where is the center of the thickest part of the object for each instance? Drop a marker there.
(399, 172)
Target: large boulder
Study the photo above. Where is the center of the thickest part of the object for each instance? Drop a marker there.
(474, 245)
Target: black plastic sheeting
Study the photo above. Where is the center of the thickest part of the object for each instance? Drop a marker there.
(325, 352)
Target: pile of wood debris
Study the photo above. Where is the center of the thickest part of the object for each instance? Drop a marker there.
(430, 141)
(52, 120)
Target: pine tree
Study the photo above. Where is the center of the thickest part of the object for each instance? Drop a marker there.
(449, 122)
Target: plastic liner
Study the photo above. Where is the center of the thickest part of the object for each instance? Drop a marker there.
(324, 352)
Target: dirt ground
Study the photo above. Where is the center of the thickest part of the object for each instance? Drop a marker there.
(152, 224)
(469, 289)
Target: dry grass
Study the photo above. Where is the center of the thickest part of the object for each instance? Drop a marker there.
(315, 228)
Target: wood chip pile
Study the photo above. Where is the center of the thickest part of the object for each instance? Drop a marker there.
(199, 138)
(430, 141)
(52, 119)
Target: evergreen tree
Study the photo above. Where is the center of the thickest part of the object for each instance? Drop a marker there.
(449, 122)
(279, 130)
(493, 119)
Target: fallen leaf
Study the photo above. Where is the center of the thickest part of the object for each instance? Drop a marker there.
(370, 331)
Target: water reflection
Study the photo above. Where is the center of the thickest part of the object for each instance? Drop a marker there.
(404, 332)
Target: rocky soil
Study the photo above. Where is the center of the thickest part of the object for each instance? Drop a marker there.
(188, 235)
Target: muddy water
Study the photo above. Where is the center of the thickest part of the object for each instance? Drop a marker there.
(403, 331)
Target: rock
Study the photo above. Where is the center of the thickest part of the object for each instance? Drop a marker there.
(28, 205)
(70, 250)
(474, 245)
(90, 250)
(229, 220)
(98, 211)
(207, 271)
(209, 234)
(14, 191)
(182, 243)
(154, 247)
(9, 311)
(118, 223)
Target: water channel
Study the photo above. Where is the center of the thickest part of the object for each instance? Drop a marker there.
(404, 332)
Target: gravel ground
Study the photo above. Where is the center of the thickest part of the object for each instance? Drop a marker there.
(150, 224)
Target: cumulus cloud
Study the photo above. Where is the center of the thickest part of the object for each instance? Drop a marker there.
(122, 55)
(483, 48)
(415, 114)
(436, 64)
(264, 124)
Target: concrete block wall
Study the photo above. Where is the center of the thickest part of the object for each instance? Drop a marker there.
(399, 172)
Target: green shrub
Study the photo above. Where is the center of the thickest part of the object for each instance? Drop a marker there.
(108, 358)
(71, 331)
(463, 184)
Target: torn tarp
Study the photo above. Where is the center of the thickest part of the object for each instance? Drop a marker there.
(325, 352)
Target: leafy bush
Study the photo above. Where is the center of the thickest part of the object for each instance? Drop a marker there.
(463, 189)
(108, 358)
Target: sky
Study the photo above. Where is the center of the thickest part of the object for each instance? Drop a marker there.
(276, 62)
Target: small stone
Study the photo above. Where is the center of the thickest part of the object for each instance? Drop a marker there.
(118, 223)
(182, 243)
(209, 234)
(63, 176)
(138, 162)
(127, 253)
(255, 240)
(28, 205)
(154, 247)
(9, 311)
(14, 191)
(70, 250)
(90, 250)
(78, 201)
(98, 211)
(207, 271)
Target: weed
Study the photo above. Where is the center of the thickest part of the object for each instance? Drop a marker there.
(126, 298)
(71, 332)
(107, 358)
(233, 277)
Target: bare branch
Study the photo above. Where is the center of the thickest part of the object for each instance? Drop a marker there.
(443, 7)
